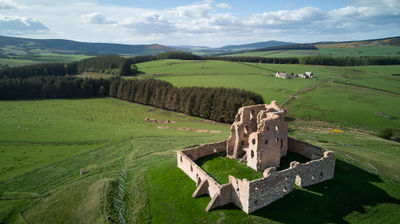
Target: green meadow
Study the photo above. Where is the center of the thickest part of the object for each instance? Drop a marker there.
(358, 97)
(44, 144)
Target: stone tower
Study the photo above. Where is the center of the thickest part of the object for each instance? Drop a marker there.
(259, 136)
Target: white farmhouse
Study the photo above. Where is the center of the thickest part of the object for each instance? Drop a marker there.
(282, 75)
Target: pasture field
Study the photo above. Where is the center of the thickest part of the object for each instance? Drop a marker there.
(45, 143)
(327, 51)
(49, 141)
(358, 97)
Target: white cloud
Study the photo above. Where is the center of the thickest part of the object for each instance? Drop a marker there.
(195, 10)
(20, 25)
(147, 24)
(224, 6)
(202, 22)
(97, 18)
(8, 4)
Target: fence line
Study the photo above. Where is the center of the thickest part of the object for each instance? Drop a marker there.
(119, 200)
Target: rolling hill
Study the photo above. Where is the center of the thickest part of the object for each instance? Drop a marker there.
(375, 47)
(15, 46)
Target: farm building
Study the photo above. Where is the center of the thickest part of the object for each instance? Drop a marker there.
(282, 75)
(306, 75)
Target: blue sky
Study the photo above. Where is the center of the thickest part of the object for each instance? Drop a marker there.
(202, 22)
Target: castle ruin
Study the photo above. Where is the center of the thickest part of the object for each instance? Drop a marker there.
(259, 139)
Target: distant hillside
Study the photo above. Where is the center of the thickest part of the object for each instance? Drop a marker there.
(377, 47)
(390, 41)
(265, 44)
(228, 49)
(14, 46)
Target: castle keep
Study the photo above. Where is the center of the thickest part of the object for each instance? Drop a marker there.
(259, 139)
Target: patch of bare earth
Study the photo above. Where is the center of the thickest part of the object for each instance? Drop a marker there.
(151, 120)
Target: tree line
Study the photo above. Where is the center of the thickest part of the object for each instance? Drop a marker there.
(350, 61)
(218, 104)
(52, 87)
(106, 64)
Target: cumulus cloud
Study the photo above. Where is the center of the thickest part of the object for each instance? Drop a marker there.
(98, 18)
(203, 21)
(20, 25)
(224, 6)
(7, 4)
(195, 10)
(147, 24)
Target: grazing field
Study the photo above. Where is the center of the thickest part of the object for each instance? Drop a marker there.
(45, 143)
(327, 51)
(102, 135)
(341, 95)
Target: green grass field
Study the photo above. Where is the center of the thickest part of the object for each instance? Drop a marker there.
(45, 143)
(41, 156)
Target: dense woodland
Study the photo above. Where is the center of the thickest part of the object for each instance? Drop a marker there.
(350, 61)
(106, 64)
(52, 87)
(218, 104)
(178, 55)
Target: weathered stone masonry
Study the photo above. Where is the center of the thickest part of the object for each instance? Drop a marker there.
(253, 195)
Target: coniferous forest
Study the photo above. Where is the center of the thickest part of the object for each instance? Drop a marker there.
(218, 104)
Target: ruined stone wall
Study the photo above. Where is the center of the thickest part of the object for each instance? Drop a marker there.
(220, 194)
(316, 171)
(253, 195)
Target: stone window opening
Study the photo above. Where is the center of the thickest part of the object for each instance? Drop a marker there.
(277, 139)
(321, 174)
(313, 178)
(252, 115)
(253, 141)
(237, 189)
(281, 143)
(191, 168)
(287, 178)
(267, 128)
(266, 141)
(246, 130)
(256, 202)
(181, 158)
(284, 190)
(251, 153)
